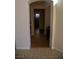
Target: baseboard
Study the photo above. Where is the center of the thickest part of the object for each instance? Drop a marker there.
(22, 48)
(57, 49)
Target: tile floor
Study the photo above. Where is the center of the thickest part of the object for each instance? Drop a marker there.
(38, 53)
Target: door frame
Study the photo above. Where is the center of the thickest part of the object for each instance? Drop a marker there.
(51, 44)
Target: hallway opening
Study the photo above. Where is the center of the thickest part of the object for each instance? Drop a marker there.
(40, 24)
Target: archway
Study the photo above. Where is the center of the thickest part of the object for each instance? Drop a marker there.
(46, 4)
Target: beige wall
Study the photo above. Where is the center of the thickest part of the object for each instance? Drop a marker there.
(58, 26)
(22, 25)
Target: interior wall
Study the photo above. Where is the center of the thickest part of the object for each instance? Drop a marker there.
(32, 19)
(58, 26)
(22, 25)
(47, 16)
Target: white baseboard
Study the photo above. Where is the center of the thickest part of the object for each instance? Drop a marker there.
(57, 49)
(22, 48)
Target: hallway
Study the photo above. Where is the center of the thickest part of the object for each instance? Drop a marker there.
(30, 45)
(40, 41)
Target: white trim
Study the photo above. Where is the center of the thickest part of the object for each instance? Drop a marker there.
(26, 48)
(58, 49)
(51, 26)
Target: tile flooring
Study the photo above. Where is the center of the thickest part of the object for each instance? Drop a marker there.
(38, 53)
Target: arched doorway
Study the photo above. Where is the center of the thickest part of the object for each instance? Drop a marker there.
(40, 24)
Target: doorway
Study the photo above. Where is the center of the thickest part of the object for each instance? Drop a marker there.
(40, 24)
(39, 19)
